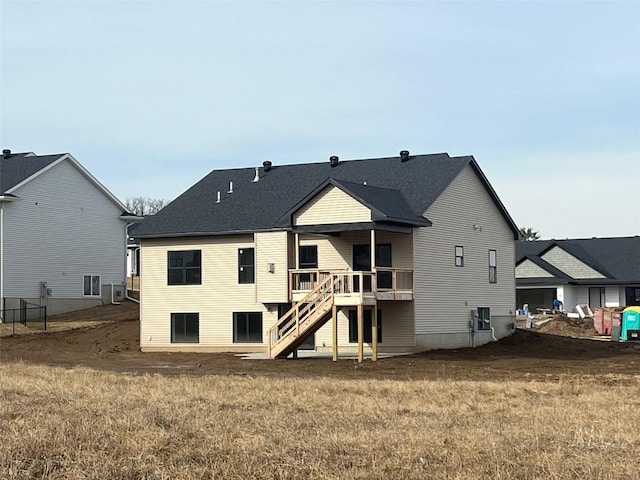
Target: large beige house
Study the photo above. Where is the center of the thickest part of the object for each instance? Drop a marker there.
(397, 254)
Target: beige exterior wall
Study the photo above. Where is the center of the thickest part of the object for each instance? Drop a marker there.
(446, 294)
(336, 253)
(332, 205)
(271, 248)
(569, 264)
(528, 269)
(215, 299)
(397, 329)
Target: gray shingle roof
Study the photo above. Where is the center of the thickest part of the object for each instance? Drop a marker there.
(20, 166)
(616, 258)
(400, 190)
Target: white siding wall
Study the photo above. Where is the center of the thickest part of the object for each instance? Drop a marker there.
(528, 269)
(62, 228)
(332, 205)
(446, 294)
(271, 247)
(215, 299)
(569, 264)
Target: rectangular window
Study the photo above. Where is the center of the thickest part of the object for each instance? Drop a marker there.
(368, 323)
(92, 286)
(185, 328)
(459, 256)
(493, 267)
(247, 327)
(484, 318)
(308, 256)
(184, 267)
(383, 259)
(633, 296)
(246, 265)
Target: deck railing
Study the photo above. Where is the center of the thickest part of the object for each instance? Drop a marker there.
(383, 280)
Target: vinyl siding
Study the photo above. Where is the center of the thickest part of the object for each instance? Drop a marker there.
(397, 328)
(215, 299)
(446, 294)
(569, 264)
(332, 205)
(271, 247)
(528, 269)
(62, 228)
(336, 253)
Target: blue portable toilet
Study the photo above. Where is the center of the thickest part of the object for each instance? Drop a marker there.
(630, 328)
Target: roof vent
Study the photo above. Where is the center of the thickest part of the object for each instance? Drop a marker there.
(257, 177)
(267, 165)
(404, 155)
(218, 197)
(334, 159)
(6, 153)
(230, 187)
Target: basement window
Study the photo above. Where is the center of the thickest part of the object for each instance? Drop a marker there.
(92, 286)
(247, 327)
(484, 318)
(185, 328)
(459, 256)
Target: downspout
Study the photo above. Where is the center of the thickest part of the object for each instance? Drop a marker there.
(1, 262)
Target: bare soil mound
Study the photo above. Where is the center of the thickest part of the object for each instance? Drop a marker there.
(527, 354)
(573, 327)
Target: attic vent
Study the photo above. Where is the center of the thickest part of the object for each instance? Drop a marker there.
(230, 187)
(6, 153)
(334, 159)
(218, 197)
(257, 177)
(267, 165)
(404, 155)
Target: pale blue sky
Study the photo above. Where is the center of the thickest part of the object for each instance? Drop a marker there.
(150, 96)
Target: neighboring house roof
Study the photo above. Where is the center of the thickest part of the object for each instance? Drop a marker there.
(396, 191)
(16, 169)
(617, 259)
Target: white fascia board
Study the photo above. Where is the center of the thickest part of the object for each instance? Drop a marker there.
(82, 170)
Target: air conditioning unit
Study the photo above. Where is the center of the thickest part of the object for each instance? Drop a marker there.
(118, 292)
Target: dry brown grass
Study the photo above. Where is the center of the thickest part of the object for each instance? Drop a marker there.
(80, 423)
(90, 317)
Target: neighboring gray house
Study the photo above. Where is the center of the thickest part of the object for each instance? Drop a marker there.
(60, 227)
(399, 254)
(599, 272)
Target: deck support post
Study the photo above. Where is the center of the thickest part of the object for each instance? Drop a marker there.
(334, 322)
(360, 332)
(374, 333)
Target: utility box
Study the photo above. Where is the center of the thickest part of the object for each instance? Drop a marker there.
(44, 290)
(630, 329)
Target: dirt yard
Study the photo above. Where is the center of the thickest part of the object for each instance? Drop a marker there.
(108, 340)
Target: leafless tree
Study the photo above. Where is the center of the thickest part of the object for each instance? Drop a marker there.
(529, 234)
(143, 206)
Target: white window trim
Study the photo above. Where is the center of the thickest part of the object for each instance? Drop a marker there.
(99, 294)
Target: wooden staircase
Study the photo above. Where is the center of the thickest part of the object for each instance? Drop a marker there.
(302, 320)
